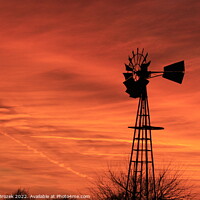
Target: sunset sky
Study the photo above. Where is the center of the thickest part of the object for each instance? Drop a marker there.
(64, 112)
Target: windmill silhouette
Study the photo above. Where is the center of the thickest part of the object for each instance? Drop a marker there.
(141, 178)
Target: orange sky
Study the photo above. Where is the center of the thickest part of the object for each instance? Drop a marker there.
(63, 110)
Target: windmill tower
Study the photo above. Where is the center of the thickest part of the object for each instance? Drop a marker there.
(141, 178)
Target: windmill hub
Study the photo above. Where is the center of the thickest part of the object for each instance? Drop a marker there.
(143, 74)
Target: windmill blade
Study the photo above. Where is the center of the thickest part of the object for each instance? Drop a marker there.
(145, 58)
(128, 68)
(134, 93)
(132, 88)
(174, 72)
(145, 65)
(128, 75)
(142, 83)
(135, 88)
(129, 83)
(130, 59)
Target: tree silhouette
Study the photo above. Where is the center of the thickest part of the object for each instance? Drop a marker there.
(170, 185)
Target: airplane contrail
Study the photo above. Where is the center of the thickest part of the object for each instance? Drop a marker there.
(45, 156)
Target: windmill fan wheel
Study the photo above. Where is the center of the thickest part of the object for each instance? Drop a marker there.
(137, 74)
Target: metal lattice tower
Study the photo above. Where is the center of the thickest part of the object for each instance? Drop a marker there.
(141, 177)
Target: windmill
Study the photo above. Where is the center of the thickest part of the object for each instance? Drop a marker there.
(141, 178)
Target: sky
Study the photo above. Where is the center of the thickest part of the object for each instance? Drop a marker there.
(64, 112)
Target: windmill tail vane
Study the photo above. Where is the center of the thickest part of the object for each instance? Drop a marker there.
(141, 176)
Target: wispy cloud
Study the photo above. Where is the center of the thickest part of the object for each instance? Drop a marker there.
(85, 139)
(112, 140)
(59, 164)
